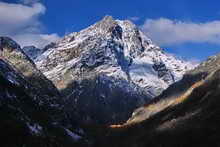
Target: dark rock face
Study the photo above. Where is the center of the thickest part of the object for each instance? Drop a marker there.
(25, 120)
(163, 72)
(101, 97)
(32, 111)
(14, 55)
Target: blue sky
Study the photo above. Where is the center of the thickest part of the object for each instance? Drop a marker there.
(187, 28)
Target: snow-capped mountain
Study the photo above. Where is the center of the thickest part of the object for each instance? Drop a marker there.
(114, 54)
(128, 54)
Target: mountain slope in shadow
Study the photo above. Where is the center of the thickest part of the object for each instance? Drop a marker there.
(188, 117)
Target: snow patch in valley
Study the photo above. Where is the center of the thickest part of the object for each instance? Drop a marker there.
(12, 78)
(35, 129)
(74, 136)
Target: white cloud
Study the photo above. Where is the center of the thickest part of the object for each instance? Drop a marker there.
(27, 2)
(22, 23)
(14, 17)
(134, 18)
(38, 40)
(169, 32)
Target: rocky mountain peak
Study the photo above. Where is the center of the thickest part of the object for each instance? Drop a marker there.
(8, 43)
(106, 23)
(12, 52)
(107, 18)
(128, 63)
